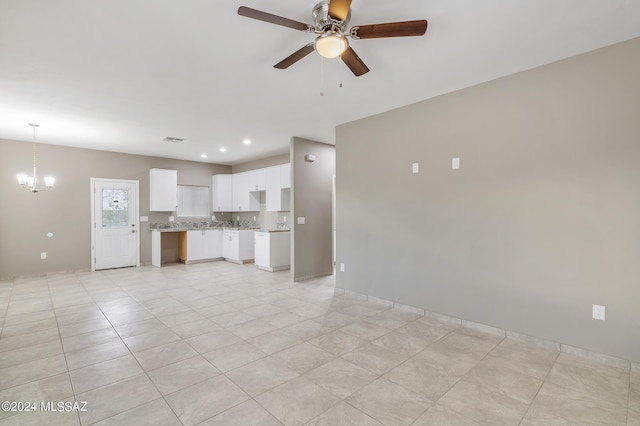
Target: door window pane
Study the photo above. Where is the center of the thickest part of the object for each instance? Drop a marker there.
(115, 208)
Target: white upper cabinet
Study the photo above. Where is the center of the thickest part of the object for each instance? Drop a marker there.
(273, 188)
(240, 192)
(277, 195)
(244, 200)
(222, 193)
(257, 180)
(285, 175)
(163, 190)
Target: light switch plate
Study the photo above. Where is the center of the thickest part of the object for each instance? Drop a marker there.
(455, 163)
(415, 168)
(144, 218)
(301, 221)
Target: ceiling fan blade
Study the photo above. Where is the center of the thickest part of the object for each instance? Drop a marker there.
(294, 57)
(354, 62)
(391, 29)
(273, 19)
(339, 9)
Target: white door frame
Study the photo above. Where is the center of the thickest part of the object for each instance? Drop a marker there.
(136, 215)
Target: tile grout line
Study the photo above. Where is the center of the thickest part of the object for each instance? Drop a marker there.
(628, 397)
(64, 353)
(144, 371)
(540, 387)
(6, 312)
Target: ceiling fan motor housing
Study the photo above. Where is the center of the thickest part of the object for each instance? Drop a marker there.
(324, 22)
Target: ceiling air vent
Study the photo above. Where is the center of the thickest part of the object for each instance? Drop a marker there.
(172, 139)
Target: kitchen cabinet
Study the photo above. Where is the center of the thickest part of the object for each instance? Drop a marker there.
(163, 190)
(273, 250)
(278, 197)
(285, 175)
(238, 245)
(222, 193)
(244, 199)
(200, 245)
(245, 188)
(257, 180)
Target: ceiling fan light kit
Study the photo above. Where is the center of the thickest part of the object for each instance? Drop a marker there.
(331, 44)
(331, 18)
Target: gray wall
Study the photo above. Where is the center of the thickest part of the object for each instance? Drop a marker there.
(26, 218)
(261, 163)
(541, 221)
(312, 192)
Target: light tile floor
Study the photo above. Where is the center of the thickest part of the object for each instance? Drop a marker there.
(225, 344)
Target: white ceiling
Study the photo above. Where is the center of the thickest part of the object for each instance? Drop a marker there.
(120, 75)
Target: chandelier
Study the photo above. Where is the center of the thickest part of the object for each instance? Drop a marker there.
(30, 183)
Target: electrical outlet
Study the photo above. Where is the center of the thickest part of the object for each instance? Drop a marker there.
(342, 267)
(598, 312)
(415, 168)
(455, 163)
(43, 255)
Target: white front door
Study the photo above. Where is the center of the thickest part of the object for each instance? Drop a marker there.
(115, 238)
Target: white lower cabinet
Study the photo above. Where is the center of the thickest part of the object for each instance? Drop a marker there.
(273, 250)
(200, 245)
(212, 245)
(237, 245)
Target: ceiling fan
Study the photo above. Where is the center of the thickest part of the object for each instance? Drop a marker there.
(331, 18)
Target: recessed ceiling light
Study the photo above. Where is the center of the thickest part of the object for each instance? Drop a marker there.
(247, 141)
(223, 149)
(203, 155)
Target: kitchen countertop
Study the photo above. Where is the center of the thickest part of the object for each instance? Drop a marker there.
(231, 228)
(274, 230)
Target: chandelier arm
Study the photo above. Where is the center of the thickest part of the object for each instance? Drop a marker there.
(24, 180)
